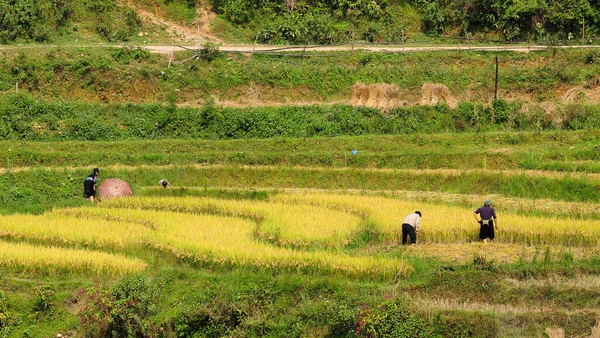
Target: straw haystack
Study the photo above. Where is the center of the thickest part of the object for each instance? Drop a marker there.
(114, 187)
(555, 332)
(433, 93)
(377, 95)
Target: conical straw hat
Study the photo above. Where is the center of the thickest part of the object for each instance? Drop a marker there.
(114, 187)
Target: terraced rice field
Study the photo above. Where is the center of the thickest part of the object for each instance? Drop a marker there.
(299, 231)
(301, 238)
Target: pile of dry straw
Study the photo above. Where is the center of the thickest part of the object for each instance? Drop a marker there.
(385, 96)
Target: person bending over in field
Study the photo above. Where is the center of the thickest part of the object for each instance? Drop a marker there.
(487, 222)
(410, 227)
(164, 183)
(89, 185)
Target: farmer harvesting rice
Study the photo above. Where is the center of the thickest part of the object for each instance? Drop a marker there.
(487, 221)
(164, 183)
(89, 185)
(410, 227)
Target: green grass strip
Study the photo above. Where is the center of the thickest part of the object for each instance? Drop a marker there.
(38, 190)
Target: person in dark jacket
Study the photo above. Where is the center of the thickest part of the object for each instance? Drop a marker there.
(89, 185)
(488, 221)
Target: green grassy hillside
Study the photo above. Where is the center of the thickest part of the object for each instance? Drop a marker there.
(131, 75)
(452, 287)
(300, 22)
(287, 190)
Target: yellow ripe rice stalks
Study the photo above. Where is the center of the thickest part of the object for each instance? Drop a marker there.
(304, 232)
(282, 224)
(72, 227)
(450, 224)
(228, 240)
(386, 213)
(41, 259)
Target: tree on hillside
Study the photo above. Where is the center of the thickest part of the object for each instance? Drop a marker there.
(32, 19)
(567, 18)
(513, 19)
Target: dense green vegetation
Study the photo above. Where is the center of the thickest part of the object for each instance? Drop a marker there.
(396, 21)
(27, 119)
(42, 21)
(212, 303)
(313, 21)
(92, 20)
(515, 20)
(133, 75)
(32, 20)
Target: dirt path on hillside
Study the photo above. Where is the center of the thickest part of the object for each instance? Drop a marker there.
(371, 48)
(198, 31)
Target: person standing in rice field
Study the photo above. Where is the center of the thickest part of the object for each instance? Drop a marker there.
(410, 227)
(488, 221)
(89, 185)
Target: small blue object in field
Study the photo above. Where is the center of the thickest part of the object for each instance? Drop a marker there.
(354, 152)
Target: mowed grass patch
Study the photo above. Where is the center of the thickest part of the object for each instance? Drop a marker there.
(496, 253)
(576, 189)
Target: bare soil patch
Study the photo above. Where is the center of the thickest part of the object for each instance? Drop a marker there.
(198, 31)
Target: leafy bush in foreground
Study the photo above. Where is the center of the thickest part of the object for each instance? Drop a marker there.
(120, 311)
(397, 317)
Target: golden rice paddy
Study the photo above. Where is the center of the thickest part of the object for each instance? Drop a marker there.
(299, 231)
(52, 260)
